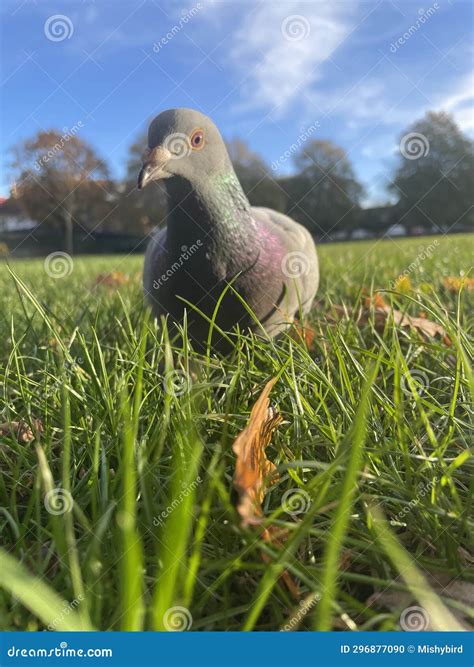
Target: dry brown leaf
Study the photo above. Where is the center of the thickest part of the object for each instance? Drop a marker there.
(21, 430)
(111, 280)
(422, 324)
(382, 312)
(454, 284)
(375, 300)
(253, 471)
(302, 333)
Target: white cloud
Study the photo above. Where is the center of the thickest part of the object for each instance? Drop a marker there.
(460, 102)
(277, 66)
(386, 99)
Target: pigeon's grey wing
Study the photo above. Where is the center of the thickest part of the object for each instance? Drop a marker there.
(299, 264)
(154, 267)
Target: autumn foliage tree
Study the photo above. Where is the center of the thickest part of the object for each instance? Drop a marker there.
(144, 209)
(61, 182)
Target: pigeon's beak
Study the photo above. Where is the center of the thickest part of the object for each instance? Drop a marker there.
(154, 167)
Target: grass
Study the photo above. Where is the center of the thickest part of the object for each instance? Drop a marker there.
(121, 514)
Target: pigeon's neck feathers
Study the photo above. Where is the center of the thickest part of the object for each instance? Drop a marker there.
(213, 208)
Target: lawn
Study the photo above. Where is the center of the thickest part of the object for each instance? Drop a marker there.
(121, 513)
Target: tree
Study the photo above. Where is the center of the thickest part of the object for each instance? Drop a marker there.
(62, 182)
(140, 210)
(324, 195)
(435, 174)
(253, 174)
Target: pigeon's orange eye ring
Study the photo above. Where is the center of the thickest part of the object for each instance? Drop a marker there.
(197, 140)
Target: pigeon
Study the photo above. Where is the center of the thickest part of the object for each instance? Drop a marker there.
(220, 263)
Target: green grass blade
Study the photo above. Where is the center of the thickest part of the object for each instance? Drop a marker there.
(38, 597)
(338, 530)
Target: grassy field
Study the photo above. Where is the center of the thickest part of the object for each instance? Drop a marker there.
(121, 513)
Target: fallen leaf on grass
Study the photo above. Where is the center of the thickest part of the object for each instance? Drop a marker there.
(383, 312)
(422, 324)
(111, 280)
(21, 430)
(454, 284)
(425, 326)
(302, 333)
(255, 473)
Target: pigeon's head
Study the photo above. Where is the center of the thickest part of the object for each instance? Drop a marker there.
(185, 143)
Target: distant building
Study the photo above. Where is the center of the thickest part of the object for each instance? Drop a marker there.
(377, 219)
(360, 234)
(396, 230)
(12, 218)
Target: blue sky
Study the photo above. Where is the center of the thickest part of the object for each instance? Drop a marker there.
(264, 71)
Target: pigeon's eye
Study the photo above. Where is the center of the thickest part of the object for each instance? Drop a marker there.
(197, 139)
